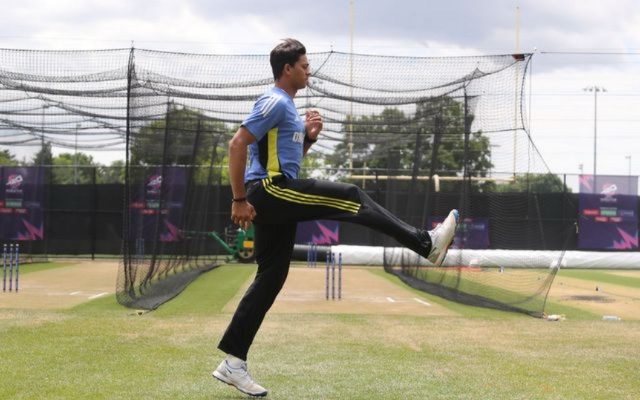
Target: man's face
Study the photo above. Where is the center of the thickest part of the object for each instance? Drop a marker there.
(300, 72)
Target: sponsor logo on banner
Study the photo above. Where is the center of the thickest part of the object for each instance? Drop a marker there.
(154, 184)
(608, 217)
(21, 196)
(14, 183)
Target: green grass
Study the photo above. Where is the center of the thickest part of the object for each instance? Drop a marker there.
(41, 266)
(601, 276)
(461, 309)
(491, 288)
(102, 351)
(471, 311)
(226, 279)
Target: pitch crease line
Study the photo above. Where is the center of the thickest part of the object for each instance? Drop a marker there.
(422, 301)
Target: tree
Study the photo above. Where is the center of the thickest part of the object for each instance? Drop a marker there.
(73, 169)
(312, 166)
(44, 156)
(392, 139)
(190, 136)
(192, 139)
(371, 134)
(114, 173)
(7, 159)
(535, 183)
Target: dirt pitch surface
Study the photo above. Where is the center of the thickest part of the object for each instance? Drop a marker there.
(608, 299)
(64, 287)
(363, 292)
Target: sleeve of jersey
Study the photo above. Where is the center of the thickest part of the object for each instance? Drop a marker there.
(267, 113)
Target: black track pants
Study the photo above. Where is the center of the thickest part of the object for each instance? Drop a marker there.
(280, 203)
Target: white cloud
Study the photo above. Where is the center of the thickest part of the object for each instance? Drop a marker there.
(563, 118)
(561, 111)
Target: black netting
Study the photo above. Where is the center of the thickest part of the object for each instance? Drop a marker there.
(423, 134)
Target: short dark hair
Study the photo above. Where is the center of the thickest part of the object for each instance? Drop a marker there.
(287, 52)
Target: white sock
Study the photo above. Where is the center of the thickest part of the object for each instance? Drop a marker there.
(234, 362)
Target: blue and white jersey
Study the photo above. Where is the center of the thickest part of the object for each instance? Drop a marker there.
(279, 133)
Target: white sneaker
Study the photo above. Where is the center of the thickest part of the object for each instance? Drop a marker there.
(239, 378)
(442, 237)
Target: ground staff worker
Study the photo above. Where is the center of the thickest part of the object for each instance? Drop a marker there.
(268, 193)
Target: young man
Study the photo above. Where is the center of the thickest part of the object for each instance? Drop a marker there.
(268, 193)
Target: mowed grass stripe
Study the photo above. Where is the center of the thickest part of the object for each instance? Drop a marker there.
(551, 307)
(207, 295)
(460, 309)
(601, 276)
(210, 292)
(27, 268)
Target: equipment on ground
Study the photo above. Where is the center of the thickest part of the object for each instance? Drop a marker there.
(236, 241)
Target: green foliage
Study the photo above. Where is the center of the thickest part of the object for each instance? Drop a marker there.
(114, 173)
(44, 156)
(6, 158)
(191, 139)
(312, 166)
(534, 183)
(393, 140)
(369, 139)
(73, 169)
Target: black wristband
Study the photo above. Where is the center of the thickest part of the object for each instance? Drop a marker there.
(239, 200)
(310, 141)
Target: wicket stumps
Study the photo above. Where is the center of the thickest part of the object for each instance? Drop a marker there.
(312, 255)
(330, 276)
(10, 261)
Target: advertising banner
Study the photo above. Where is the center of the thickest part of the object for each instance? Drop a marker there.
(157, 206)
(608, 212)
(21, 203)
(322, 232)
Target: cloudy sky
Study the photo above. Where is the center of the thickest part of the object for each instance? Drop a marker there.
(577, 43)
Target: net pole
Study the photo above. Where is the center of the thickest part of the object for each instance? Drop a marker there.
(433, 167)
(163, 184)
(94, 211)
(515, 99)
(417, 157)
(466, 181)
(351, 23)
(126, 226)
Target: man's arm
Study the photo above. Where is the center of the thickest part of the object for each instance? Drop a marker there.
(242, 212)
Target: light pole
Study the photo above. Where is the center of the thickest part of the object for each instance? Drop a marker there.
(595, 89)
(75, 159)
(44, 109)
(629, 158)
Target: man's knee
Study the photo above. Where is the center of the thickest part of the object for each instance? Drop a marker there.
(354, 192)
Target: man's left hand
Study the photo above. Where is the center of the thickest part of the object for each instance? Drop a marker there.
(312, 124)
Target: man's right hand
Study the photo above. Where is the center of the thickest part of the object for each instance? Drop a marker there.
(242, 213)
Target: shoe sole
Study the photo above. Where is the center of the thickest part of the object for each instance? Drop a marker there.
(444, 251)
(442, 255)
(222, 379)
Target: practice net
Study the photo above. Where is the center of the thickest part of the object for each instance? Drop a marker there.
(422, 135)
